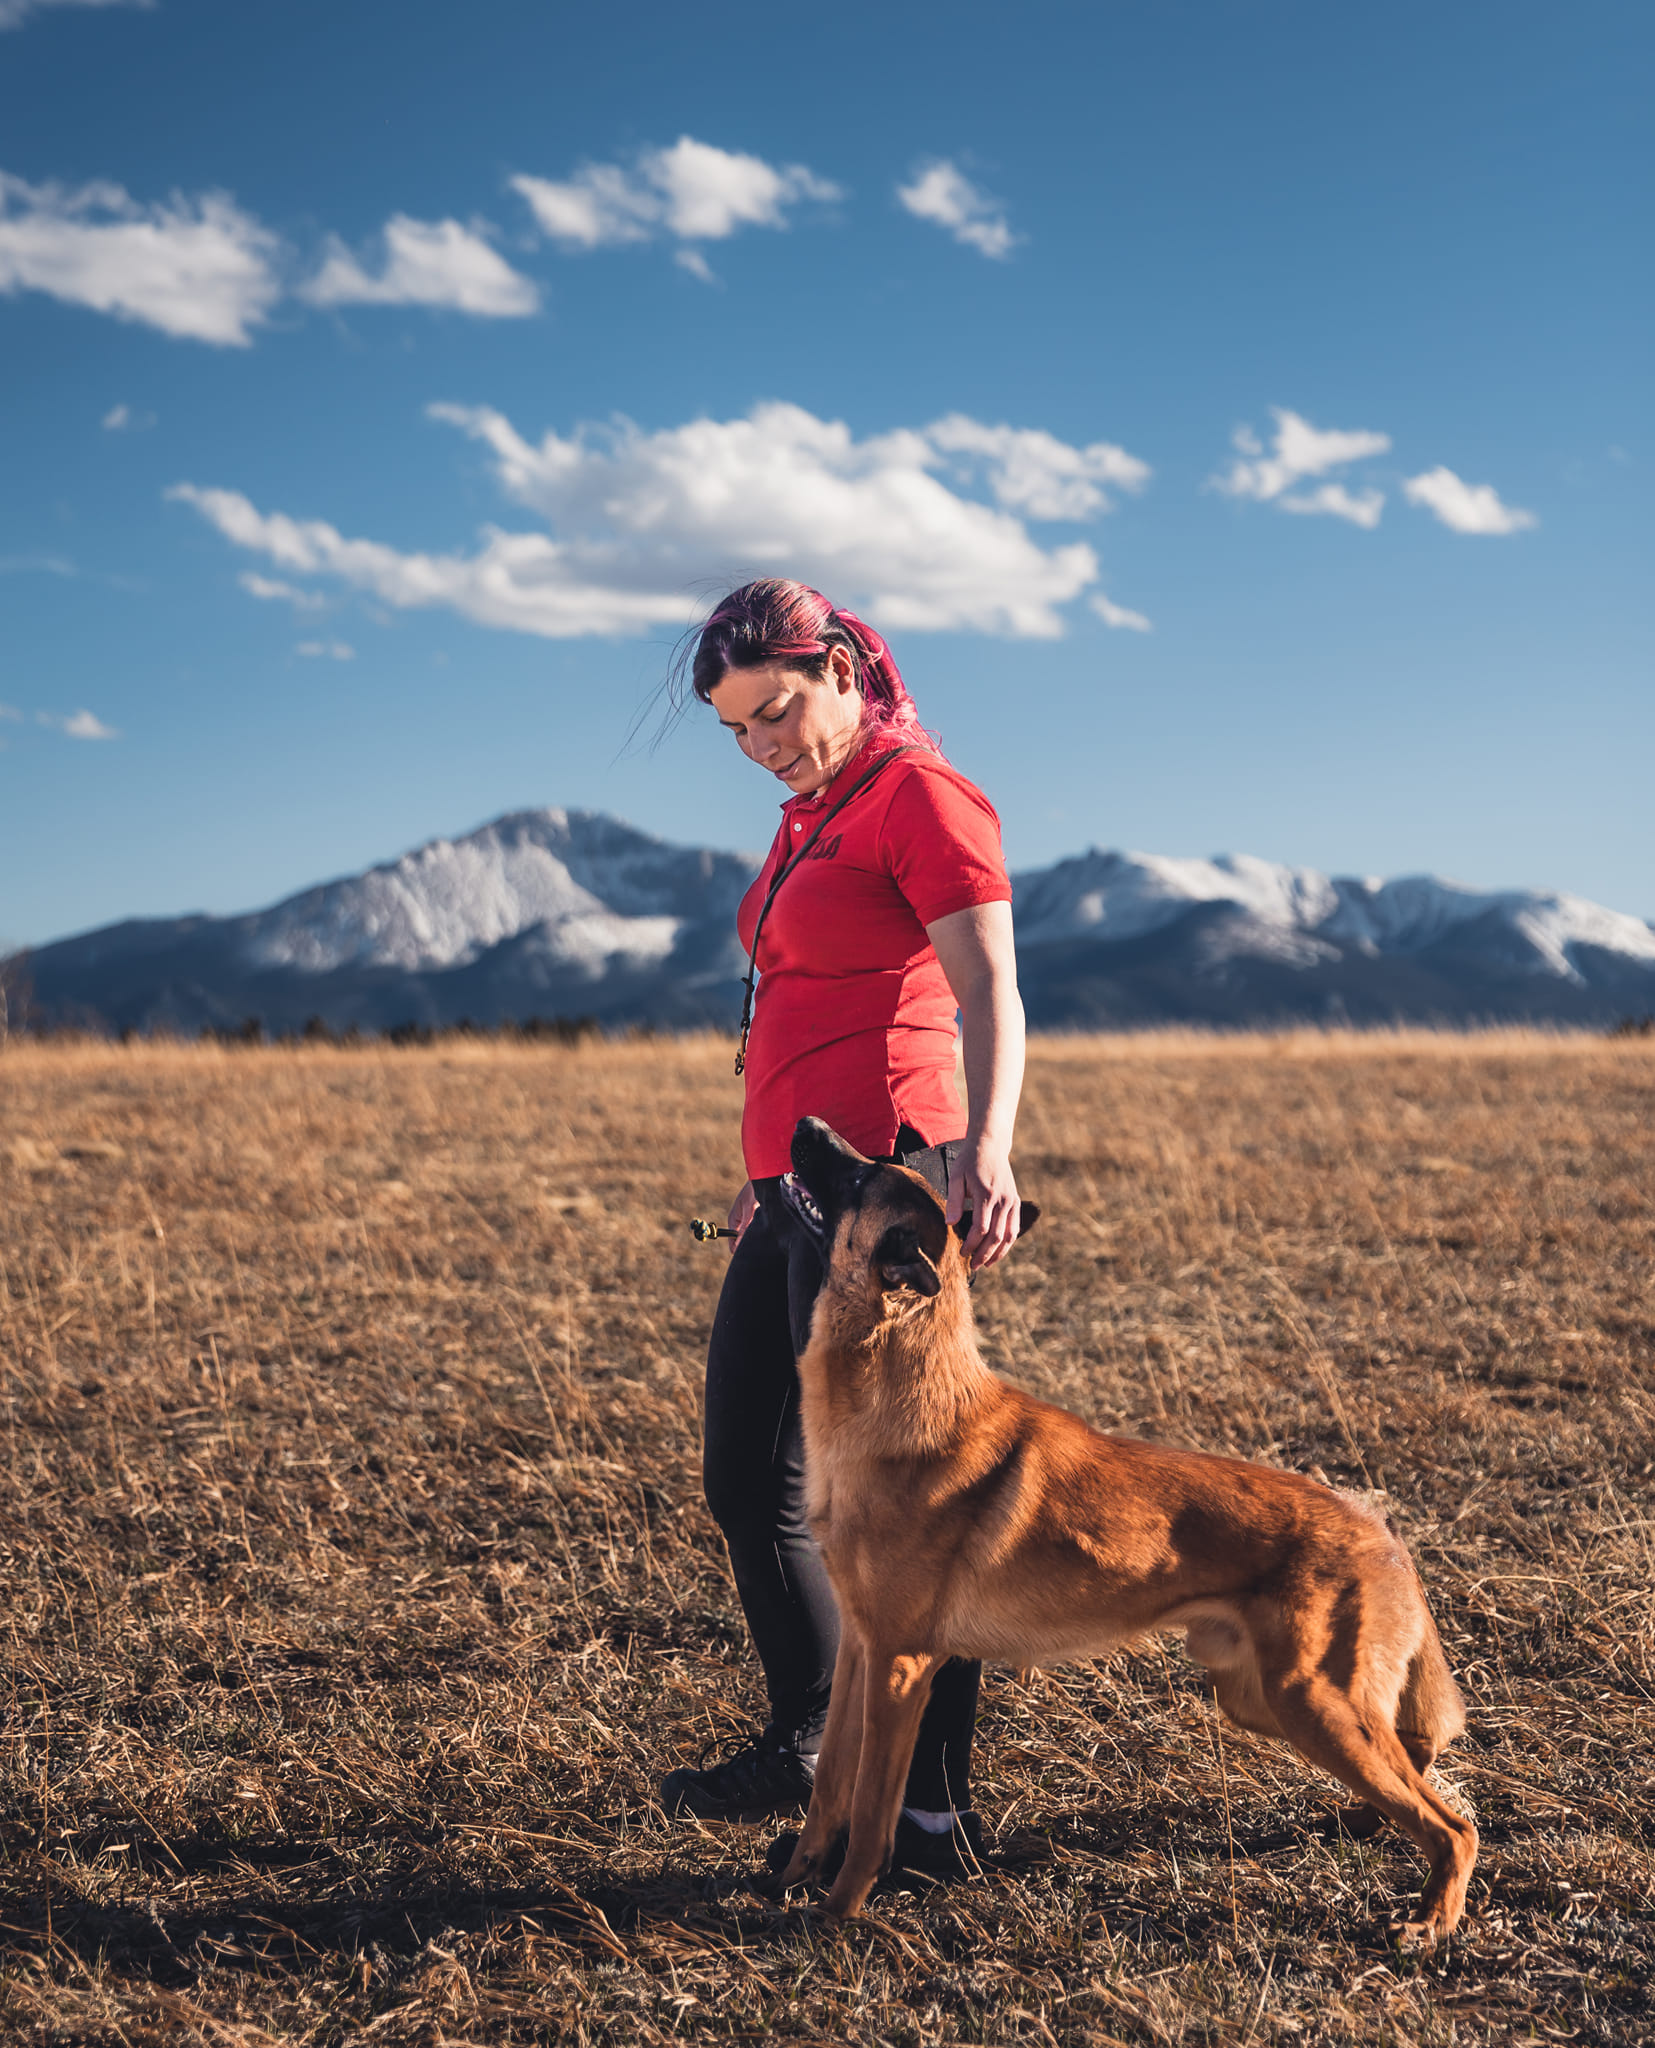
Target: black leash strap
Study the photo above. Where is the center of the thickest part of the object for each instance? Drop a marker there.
(750, 980)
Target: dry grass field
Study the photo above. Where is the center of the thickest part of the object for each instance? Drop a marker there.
(358, 1588)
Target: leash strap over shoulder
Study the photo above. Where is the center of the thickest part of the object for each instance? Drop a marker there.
(750, 979)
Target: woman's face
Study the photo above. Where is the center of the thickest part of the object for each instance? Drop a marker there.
(802, 728)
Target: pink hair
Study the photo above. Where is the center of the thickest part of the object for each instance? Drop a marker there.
(777, 619)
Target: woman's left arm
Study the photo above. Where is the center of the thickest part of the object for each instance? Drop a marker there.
(977, 954)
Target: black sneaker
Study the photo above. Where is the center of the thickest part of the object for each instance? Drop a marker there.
(916, 1852)
(940, 1859)
(768, 1776)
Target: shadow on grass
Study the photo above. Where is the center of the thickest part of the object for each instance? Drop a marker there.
(341, 1911)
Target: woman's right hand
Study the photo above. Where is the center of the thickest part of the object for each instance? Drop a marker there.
(742, 1211)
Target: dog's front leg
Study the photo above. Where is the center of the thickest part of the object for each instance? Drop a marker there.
(894, 1691)
(830, 1792)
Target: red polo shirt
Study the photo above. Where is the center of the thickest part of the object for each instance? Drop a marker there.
(854, 1018)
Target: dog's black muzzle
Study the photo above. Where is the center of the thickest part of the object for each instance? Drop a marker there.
(825, 1176)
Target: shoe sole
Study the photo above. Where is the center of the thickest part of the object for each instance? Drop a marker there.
(744, 1815)
(681, 1804)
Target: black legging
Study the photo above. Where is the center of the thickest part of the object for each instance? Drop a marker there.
(753, 1467)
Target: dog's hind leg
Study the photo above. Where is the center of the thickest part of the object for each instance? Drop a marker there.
(1323, 1723)
(836, 1762)
(1429, 1715)
(1430, 1712)
(894, 1691)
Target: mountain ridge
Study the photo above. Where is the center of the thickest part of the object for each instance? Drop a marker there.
(569, 912)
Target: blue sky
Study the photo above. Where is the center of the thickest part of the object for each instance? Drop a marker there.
(1237, 415)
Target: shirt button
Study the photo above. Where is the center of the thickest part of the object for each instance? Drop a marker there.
(798, 828)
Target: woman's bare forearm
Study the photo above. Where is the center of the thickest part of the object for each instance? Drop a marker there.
(991, 1035)
(978, 956)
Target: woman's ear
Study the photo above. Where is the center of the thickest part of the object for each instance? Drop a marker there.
(841, 666)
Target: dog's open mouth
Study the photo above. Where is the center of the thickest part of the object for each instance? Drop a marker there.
(803, 1204)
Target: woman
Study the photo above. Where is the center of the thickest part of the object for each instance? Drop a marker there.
(894, 914)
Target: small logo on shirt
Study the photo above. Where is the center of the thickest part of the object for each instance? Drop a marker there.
(826, 849)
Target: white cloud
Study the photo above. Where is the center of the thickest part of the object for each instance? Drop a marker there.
(11, 712)
(269, 588)
(427, 263)
(200, 267)
(13, 13)
(1033, 472)
(696, 264)
(601, 205)
(693, 192)
(37, 563)
(1467, 508)
(83, 725)
(941, 192)
(1117, 616)
(79, 725)
(638, 524)
(326, 650)
(710, 193)
(1300, 450)
(1361, 508)
(126, 419)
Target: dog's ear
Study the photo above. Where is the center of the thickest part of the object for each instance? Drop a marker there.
(901, 1261)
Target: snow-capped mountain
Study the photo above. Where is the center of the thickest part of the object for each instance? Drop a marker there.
(1301, 915)
(542, 913)
(596, 890)
(1138, 937)
(570, 913)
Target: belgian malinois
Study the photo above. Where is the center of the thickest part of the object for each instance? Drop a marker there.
(960, 1517)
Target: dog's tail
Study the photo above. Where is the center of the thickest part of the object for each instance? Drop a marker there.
(1430, 1712)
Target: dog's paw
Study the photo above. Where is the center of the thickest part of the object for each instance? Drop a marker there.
(845, 1901)
(1415, 1937)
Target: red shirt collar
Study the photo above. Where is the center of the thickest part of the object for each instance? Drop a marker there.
(877, 742)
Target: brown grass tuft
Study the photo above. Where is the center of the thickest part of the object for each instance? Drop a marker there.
(359, 1590)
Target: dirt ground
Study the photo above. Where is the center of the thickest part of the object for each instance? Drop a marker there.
(358, 1587)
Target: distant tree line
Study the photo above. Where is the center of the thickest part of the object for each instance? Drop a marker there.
(511, 1031)
(18, 1022)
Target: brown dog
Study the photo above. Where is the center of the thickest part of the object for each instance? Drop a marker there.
(960, 1517)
